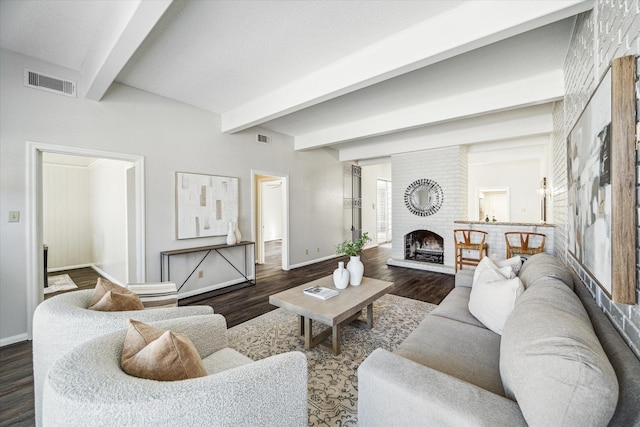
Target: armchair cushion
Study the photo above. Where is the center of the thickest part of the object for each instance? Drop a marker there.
(156, 354)
(108, 296)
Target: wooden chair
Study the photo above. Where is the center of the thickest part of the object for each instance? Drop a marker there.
(469, 240)
(524, 243)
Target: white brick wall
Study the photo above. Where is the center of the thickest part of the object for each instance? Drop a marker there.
(447, 167)
(610, 30)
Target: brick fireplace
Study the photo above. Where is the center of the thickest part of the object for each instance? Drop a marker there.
(448, 168)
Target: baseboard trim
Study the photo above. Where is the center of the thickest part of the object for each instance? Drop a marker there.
(313, 261)
(215, 287)
(106, 275)
(14, 339)
(68, 267)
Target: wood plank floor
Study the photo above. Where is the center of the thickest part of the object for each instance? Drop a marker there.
(16, 379)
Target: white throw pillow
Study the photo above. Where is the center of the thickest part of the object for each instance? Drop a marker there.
(491, 302)
(514, 262)
(488, 271)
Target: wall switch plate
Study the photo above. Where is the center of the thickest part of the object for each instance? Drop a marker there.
(14, 216)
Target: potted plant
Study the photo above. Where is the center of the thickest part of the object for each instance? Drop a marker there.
(354, 249)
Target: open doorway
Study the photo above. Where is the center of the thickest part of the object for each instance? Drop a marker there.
(132, 193)
(270, 218)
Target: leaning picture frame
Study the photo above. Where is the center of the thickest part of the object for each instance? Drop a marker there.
(601, 222)
(205, 204)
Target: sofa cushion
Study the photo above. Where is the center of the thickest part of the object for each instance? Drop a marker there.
(107, 296)
(455, 306)
(159, 355)
(543, 265)
(552, 363)
(514, 262)
(492, 302)
(464, 351)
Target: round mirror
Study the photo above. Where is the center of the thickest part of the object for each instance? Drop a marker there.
(423, 197)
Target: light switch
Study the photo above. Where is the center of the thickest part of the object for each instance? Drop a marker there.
(14, 216)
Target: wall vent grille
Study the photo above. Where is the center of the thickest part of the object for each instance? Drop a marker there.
(49, 83)
(263, 139)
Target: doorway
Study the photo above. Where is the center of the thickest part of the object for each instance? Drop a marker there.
(493, 204)
(383, 213)
(135, 227)
(270, 218)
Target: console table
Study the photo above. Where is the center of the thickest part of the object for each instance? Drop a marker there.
(165, 260)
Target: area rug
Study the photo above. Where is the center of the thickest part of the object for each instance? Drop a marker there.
(332, 380)
(61, 282)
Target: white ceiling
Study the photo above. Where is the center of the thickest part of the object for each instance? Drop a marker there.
(368, 78)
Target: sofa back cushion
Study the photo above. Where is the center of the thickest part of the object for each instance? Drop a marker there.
(552, 363)
(541, 266)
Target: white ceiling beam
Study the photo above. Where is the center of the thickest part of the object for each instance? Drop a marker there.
(521, 93)
(507, 126)
(470, 26)
(128, 24)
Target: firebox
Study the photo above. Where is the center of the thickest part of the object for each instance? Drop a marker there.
(425, 246)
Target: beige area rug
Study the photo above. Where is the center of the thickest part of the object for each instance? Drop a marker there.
(332, 380)
(61, 282)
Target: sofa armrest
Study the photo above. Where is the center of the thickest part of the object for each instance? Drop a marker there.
(464, 278)
(391, 387)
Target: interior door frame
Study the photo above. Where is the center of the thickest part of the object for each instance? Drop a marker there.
(34, 222)
(256, 234)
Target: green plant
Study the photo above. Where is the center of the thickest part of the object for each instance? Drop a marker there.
(353, 248)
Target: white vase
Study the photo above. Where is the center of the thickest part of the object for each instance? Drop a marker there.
(356, 270)
(237, 232)
(231, 235)
(341, 276)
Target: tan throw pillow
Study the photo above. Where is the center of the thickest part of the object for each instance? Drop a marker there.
(108, 296)
(155, 354)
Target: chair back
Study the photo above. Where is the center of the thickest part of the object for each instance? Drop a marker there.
(464, 237)
(526, 243)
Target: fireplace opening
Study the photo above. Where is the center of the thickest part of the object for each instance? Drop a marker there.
(424, 246)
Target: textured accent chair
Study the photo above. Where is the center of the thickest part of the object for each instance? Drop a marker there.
(88, 387)
(62, 322)
(467, 241)
(524, 243)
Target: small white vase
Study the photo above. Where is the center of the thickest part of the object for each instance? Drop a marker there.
(341, 276)
(231, 235)
(237, 232)
(356, 270)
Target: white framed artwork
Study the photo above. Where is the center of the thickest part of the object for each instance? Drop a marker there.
(205, 204)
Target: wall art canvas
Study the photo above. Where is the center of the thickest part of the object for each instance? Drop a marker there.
(205, 204)
(589, 180)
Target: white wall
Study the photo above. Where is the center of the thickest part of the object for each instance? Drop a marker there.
(65, 215)
(172, 137)
(108, 210)
(523, 180)
(370, 176)
(272, 210)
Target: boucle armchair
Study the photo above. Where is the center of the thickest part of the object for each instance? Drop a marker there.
(62, 322)
(88, 386)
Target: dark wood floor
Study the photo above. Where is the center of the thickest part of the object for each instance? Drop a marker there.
(16, 380)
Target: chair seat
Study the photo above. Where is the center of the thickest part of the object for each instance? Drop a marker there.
(469, 240)
(471, 247)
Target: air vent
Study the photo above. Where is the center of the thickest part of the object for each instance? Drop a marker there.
(264, 139)
(47, 83)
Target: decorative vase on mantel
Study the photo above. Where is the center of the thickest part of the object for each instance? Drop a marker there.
(356, 270)
(341, 276)
(231, 235)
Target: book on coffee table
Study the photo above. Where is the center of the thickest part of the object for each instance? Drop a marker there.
(320, 292)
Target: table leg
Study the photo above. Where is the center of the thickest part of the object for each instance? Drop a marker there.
(301, 326)
(335, 338)
(308, 333)
(370, 316)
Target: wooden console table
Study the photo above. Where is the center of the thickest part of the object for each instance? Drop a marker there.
(165, 260)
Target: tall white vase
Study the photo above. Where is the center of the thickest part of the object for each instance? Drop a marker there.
(356, 270)
(231, 235)
(237, 232)
(341, 276)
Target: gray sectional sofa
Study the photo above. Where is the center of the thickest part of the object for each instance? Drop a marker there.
(558, 362)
